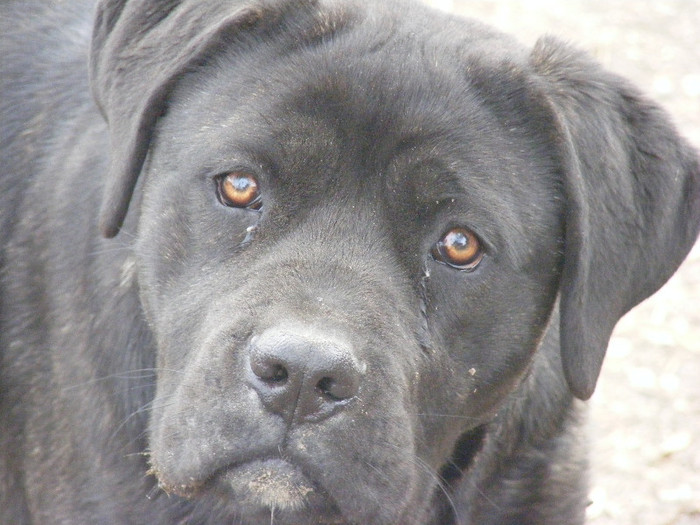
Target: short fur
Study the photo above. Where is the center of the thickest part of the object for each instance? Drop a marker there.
(133, 355)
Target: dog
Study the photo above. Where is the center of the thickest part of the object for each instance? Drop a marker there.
(314, 261)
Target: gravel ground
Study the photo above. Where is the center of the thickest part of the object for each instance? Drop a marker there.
(645, 414)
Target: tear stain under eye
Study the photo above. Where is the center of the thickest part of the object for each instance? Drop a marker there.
(249, 235)
(424, 330)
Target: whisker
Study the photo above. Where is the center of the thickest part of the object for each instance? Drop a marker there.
(151, 405)
(483, 494)
(111, 249)
(446, 416)
(155, 492)
(440, 482)
(145, 373)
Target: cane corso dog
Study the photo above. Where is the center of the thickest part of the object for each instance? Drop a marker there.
(313, 262)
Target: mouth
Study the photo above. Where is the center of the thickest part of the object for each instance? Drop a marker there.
(274, 491)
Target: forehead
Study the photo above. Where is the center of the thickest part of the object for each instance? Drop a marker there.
(425, 112)
(342, 102)
(374, 72)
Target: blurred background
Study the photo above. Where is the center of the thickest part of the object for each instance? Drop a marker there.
(645, 414)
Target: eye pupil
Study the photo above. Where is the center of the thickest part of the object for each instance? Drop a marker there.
(459, 248)
(239, 190)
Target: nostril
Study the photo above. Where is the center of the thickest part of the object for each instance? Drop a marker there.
(270, 372)
(325, 387)
(335, 390)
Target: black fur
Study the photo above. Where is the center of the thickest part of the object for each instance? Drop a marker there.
(136, 383)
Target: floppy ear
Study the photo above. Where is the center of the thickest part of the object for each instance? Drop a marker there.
(139, 50)
(633, 202)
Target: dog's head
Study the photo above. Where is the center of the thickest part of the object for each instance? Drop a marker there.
(353, 231)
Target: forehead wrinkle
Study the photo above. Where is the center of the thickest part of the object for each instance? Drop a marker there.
(429, 180)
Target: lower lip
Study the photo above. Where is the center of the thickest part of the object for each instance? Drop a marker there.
(274, 489)
(273, 484)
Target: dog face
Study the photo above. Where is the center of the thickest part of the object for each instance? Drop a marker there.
(315, 256)
(352, 235)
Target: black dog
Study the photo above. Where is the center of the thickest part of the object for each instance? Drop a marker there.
(365, 258)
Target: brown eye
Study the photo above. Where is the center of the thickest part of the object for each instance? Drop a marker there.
(459, 248)
(239, 190)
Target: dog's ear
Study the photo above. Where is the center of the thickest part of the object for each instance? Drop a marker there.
(139, 50)
(632, 190)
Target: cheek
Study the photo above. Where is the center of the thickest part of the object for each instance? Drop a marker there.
(489, 330)
(185, 235)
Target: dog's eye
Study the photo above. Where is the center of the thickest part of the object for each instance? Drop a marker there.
(239, 190)
(459, 248)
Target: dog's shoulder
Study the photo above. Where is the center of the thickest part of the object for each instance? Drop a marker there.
(43, 85)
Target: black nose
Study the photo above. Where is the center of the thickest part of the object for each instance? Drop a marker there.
(301, 375)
